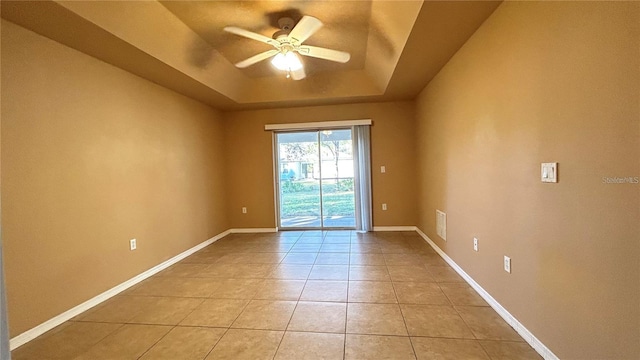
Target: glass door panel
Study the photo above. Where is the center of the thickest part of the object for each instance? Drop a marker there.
(338, 197)
(299, 180)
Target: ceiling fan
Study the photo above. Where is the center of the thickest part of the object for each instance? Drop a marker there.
(287, 42)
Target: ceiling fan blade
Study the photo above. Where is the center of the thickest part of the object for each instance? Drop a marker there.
(256, 58)
(251, 35)
(306, 27)
(323, 53)
(298, 74)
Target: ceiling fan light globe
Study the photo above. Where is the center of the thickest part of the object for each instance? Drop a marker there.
(286, 62)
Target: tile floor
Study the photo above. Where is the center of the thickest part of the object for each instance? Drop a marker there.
(293, 295)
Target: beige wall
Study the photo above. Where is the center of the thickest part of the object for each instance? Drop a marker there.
(543, 82)
(250, 160)
(93, 156)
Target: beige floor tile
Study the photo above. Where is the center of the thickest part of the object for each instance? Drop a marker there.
(265, 257)
(375, 319)
(265, 315)
(166, 311)
(291, 272)
(435, 321)
(280, 290)
(180, 287)
(486, 324)
(128, 342)
(287, 237)
(310, 240)
(184, 270)
(329, 272)
(403, 259)
(237, 289)
(240, 344)
(305, 248)
(300, 258)
(253, 271)
(366, 259)
(410, 273)
(448, 349)
(400, 248)
(215, 313)
(365, 248)
(372, 292)
(252, 258)
(219, 271)
(202, 257)
(375, 347)
(311, 346)
(420, 293)
(118, 309)
(272, 248)
(65, 341)
(325, 290)
(462, 294)
(338, 233)
(433, 259)
(335, 248)
(155, 286)
(369, 272)
(337, 239)
(319, 317)
(185, 343)
(236, 257)
(508, 350)
(331, 258)
(312, 233)
(444, 274)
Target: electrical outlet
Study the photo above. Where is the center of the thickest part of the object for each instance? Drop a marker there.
(383, 169)
(475, 244)
(507, 264)
(384, 207)
(132, 244)
(244, 210)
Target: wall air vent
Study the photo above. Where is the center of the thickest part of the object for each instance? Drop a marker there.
(441, 224)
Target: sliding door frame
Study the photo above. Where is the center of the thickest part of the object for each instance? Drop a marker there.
(277, 182)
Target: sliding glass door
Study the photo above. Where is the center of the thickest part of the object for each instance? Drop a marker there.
(315, 179)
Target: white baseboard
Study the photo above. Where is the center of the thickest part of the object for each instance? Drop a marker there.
(253, 230)
(536, 344)
(394, 228)
(33, 333)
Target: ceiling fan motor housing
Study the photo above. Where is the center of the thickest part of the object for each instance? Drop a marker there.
(286, 24)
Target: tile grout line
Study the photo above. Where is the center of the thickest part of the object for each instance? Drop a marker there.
(155, 343)
(404, 320)
(284, 333)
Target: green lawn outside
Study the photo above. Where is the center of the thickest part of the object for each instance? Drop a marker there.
(307, 203)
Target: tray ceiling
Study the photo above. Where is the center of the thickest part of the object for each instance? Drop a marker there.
(396, 46)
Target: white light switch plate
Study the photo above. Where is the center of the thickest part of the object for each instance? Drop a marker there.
(549, 172)
(383, 169)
